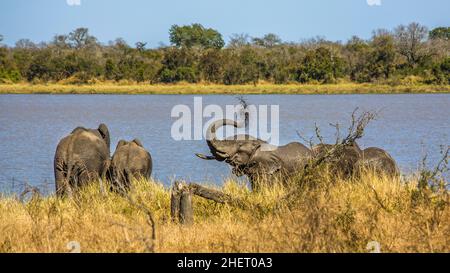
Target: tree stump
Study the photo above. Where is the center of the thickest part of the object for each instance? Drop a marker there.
(181, 203)
(175, 202)
(186, 209)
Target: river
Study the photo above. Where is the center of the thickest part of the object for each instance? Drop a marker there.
(407, 126)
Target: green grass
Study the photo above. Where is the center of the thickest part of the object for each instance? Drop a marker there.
(184, 88)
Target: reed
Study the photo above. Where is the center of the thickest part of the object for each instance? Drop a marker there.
(334, 215)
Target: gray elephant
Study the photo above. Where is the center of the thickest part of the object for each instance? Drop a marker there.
(130, 160)
(351, 160)
(342, 162)
(223, 150)
(80, 158)
(266, 163)
(379, 161)
(253, 157)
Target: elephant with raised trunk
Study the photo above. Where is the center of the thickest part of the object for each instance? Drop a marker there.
(266, 163)
(80, 158)
(253, 157)
(130, 160)
(223, 150)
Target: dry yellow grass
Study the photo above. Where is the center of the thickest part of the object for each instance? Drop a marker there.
(185, 88)
(334, 216)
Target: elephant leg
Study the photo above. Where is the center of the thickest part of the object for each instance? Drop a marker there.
(60, 182)
(118, 179)
(62, 179)
(84, 177)
(102, 176)
(127, 180)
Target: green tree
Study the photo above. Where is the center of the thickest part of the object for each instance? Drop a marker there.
(110, 69)
(320, 65)
(40, 66)
(195, 35)
(440, 33)
(381, 60)
(441, 72)
(197, 54)
(211, 65)
(179, 64)
(356, 52)
(8, 69)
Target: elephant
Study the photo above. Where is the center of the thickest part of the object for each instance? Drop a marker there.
(378, 160)
(222, 150)
(130, 160)
(81, 157)
(254, 157)
(266, 163)
(352, 160)
(342, 162)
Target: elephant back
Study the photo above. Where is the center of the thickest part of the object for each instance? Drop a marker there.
(342, 161)
(132, 157)
(378, 160)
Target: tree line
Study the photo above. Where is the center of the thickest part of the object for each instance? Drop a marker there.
(407, 54)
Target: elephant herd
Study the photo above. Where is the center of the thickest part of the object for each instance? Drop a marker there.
(84, 156)
(261, 161)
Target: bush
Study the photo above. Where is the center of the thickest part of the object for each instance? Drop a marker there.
(187, 74)
(441, 72)
(412, 80)
(10, 76)
(319, 65)
(77, 78)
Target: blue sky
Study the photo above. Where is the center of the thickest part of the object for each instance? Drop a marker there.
(149, 20)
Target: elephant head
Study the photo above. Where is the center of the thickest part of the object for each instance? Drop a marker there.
(264, 162)
(102, 132)
(124, 142)
(224, 150)
(130, 160)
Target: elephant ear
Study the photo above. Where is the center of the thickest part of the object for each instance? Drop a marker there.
(104, 132)
(120, 144)
(138, 142)
(249, 147)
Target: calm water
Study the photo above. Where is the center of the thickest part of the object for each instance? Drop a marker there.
(408, 127)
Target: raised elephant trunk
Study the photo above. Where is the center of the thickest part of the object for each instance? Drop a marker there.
(211, 132)
(213, 142)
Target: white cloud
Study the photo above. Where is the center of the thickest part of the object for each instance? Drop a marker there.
(374, 2)
(73, 2)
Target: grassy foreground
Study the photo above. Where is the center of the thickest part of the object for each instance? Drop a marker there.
(333, 216)
(184, 88)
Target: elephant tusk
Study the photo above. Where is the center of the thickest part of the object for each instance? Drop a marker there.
(205, 157)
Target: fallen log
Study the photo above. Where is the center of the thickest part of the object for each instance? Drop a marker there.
(217, 196)
(181, 208)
